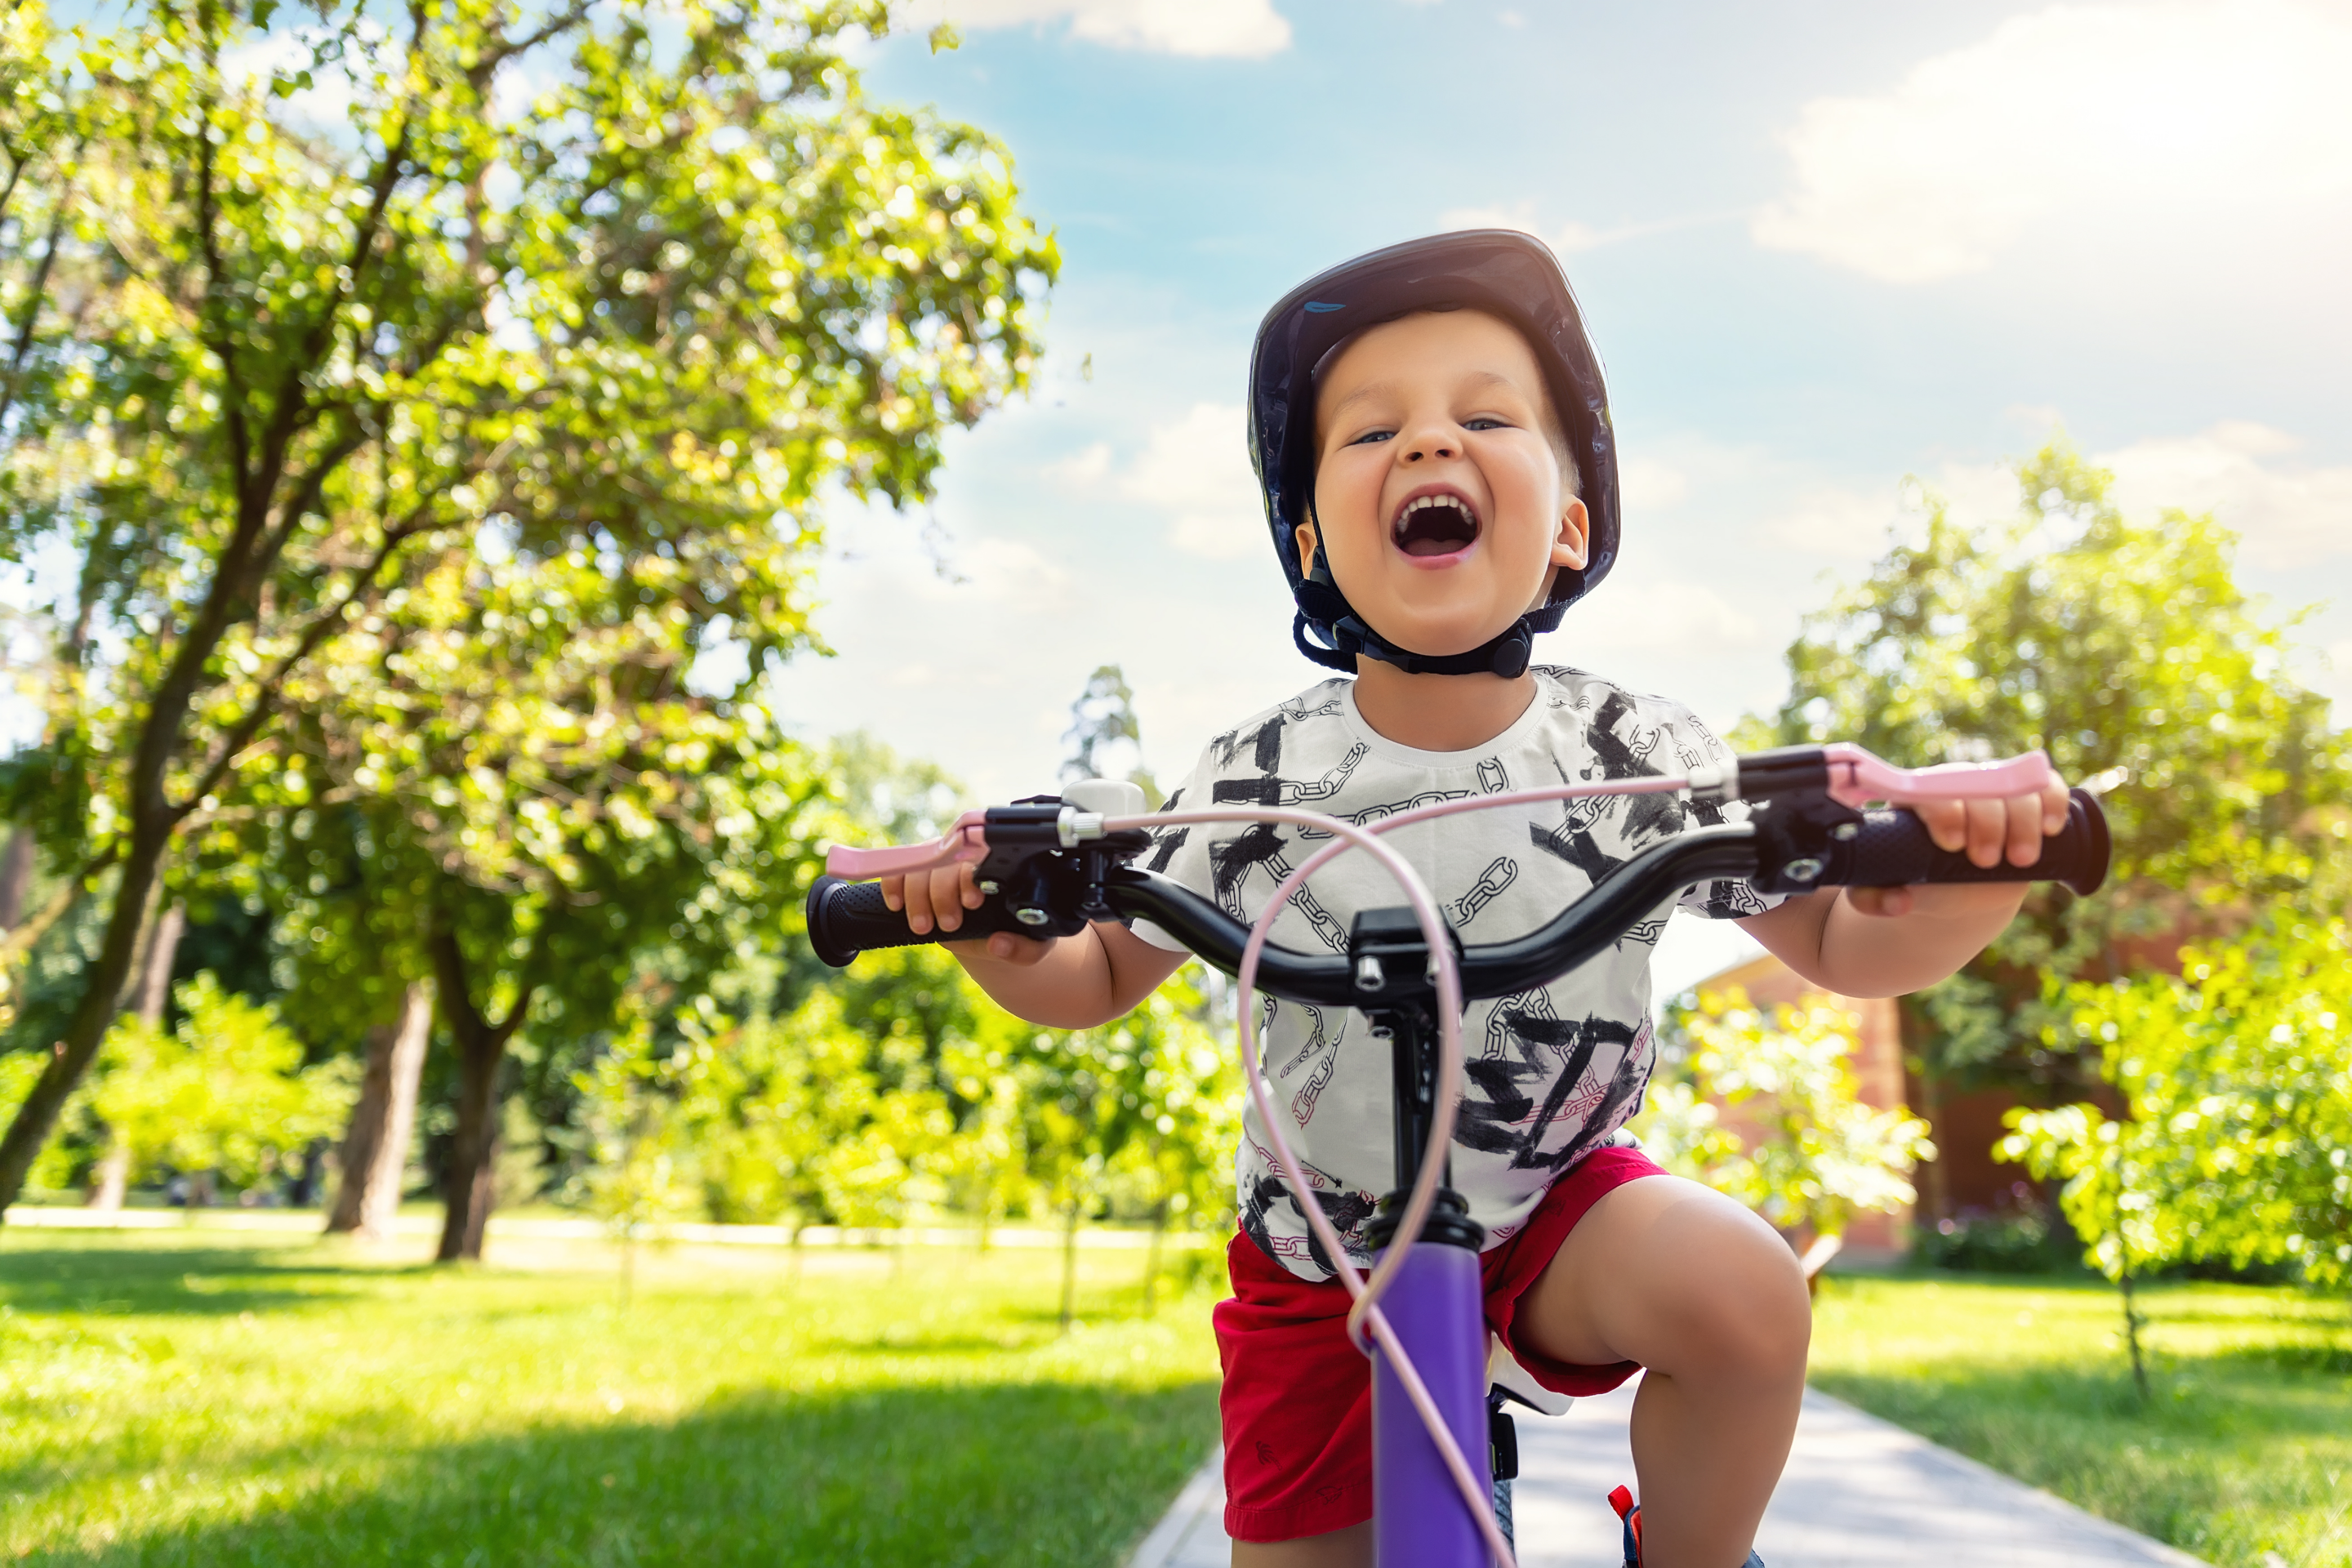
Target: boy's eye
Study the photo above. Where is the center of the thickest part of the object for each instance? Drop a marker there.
(1486, 422)
(1372, 436)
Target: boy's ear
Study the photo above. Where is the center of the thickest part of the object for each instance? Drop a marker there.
(1304, 535)
(1575, 535)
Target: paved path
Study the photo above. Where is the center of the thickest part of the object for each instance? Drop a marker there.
(1857, 1492)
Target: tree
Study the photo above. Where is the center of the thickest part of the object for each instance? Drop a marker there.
(637, 1100)
(373, 1156)
(565, 298)
(2236, 1082)
(1814, 1154)
(224, 1092)
(2126, 651)
(1185, 1078)
(144, 999)
(1105, 737)
(1150, 1102)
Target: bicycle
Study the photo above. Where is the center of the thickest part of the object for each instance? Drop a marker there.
(1049, 865)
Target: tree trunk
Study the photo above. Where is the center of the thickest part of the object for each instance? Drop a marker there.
(110, 1180)
(1151, 1258)
(472, 1184)
(101, 990)
(1939, 1183)
(15, 876)
(150, 989)
(1070, 1269)
(375, 1147)
(2132, 1321)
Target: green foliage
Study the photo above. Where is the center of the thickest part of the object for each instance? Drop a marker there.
(1147, 1106)
(1813, 1154)
(2123, 648)
(2013, 1238)
(18, 1070)
(224, 1091)
(633, 1180)
(2236, 1078)
(460, 464)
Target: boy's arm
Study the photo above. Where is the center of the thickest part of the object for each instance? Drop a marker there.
(1075, 982)
(1884, 941)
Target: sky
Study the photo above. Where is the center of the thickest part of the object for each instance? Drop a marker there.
(1832, 251)
(1824, 246)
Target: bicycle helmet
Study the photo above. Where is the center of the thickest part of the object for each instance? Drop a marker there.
(1507, 274)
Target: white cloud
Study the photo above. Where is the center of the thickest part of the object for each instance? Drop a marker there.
(2138, 123)
(1199, 469)
(2287, 515)
(1646, 613)
(1082, 469)
(1565, 238)
(1647, 485)
(1836, 521)
(1245, 29)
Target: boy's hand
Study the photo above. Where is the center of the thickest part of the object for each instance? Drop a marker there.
(1988, 830)
(940, 897)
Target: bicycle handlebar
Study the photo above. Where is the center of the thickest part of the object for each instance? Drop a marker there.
(1884, 848)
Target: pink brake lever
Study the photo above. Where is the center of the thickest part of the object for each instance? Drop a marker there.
(1856, 778)
(966, 841)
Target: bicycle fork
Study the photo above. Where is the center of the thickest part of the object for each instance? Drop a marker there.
(1437, 1308)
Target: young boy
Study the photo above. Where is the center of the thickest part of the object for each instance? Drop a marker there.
(1434, 440)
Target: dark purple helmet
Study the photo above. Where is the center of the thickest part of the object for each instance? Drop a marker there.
(1506, 273)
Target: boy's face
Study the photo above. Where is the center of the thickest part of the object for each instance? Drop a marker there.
(1438, 501)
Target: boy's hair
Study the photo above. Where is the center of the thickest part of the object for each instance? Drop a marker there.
(1555, 431)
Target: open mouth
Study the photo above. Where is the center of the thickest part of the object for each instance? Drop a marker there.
(1434, 525)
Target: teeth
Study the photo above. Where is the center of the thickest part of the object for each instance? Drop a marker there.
(1428, 503)
(1439, 536)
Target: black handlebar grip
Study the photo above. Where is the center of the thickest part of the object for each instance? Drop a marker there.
(845, 919)
(1892, 849)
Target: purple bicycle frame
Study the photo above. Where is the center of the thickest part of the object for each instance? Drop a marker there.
(1437, 1309)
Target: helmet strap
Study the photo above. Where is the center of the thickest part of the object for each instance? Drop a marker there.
(1342, 637)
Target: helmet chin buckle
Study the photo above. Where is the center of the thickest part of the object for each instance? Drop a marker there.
(1507, 654)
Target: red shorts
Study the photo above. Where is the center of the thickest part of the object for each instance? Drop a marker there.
(1297, 1398)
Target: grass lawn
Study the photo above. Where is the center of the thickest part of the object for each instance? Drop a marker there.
(2243, 1457)
(194, 1397)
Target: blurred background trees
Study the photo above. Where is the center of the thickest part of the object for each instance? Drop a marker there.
(1762, 1103)
(2125, 649)
(431, 421)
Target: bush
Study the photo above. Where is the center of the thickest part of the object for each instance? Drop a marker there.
(2019, 1236)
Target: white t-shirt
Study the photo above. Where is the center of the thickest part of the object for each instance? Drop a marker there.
(1552, 1072)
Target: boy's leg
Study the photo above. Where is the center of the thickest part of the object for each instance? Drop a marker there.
(1348, 1548)
(1712, 1302)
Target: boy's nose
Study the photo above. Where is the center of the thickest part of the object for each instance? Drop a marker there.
(1417, 450)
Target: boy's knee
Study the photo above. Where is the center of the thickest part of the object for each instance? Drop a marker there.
(1755, 1316)
(1738, 1305)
